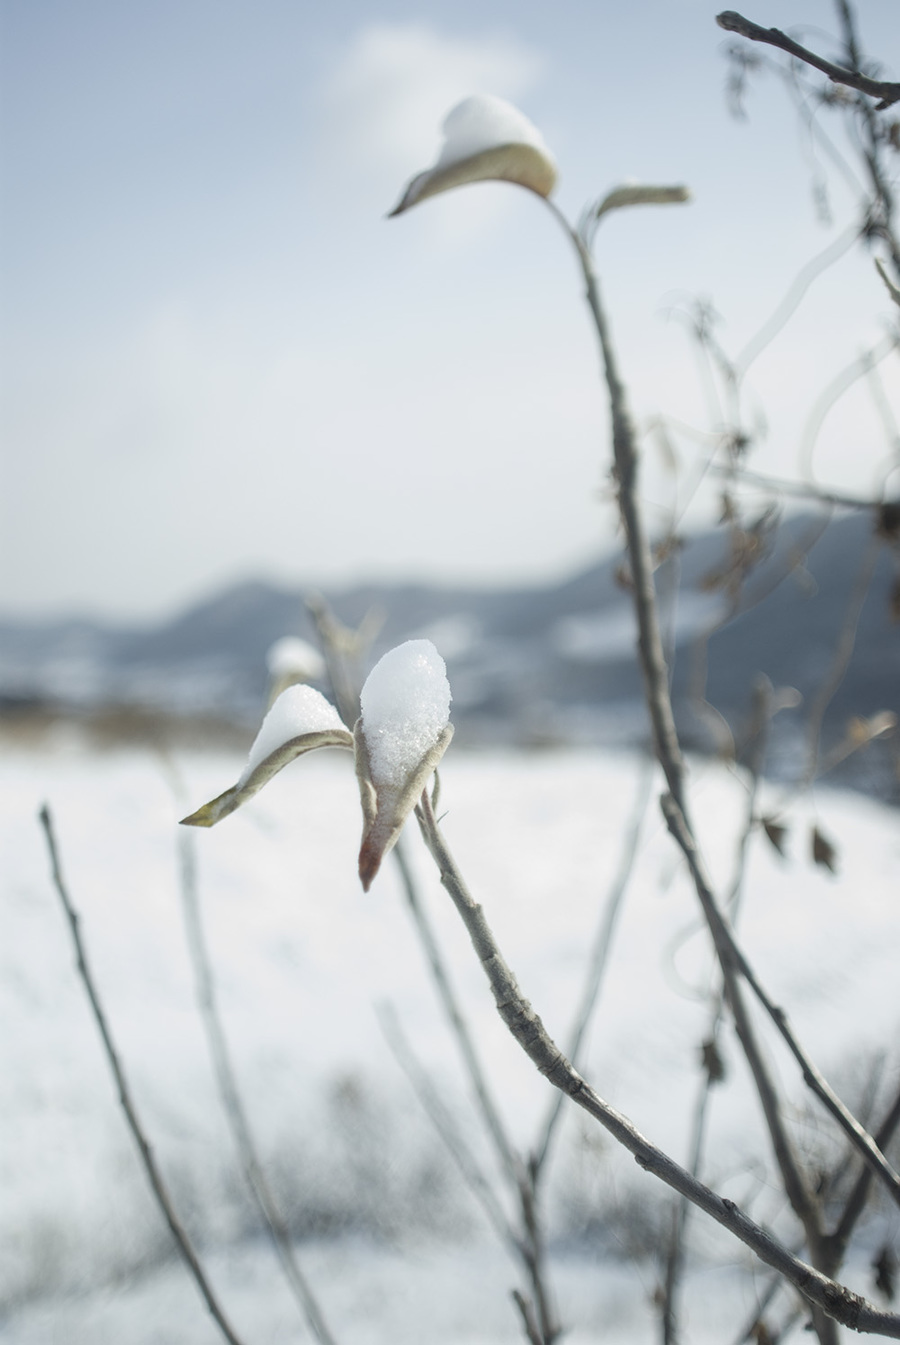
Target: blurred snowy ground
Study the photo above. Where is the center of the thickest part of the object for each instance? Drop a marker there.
(391, 1239)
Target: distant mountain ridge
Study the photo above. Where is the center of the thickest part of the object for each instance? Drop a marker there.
(532, 664)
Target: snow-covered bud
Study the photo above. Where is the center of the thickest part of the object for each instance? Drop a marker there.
(400, 738)
(299, 721)
(289, 661)
(485, 139)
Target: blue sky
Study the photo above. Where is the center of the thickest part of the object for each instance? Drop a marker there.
(219, 358)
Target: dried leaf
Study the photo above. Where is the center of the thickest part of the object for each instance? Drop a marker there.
(622, 576)
(885, 1267)
(823, 851)
(862, 731)
(712, 1060)
(226, 803)
(776, 833)
(727, 510)
(887, 523)
(634, 194)
(485, 139)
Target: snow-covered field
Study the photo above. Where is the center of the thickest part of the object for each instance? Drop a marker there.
(391, 1239)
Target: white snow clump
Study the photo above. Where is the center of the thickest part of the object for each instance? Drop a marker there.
(485, 122)
(297, 711)
(291, 657)
(405, 705)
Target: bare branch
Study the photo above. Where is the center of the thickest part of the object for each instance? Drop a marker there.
(154, 1176)
(884, 90)
(825, 1294)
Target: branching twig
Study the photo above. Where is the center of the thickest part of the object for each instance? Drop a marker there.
(824, 1293)
(884, 90)
(856, 1201)
(154, 1175)
(762, 719)
(729, 953)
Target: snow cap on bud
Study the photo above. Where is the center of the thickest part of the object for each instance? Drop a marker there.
(289, 661)
(400, 738)
(300, 720)
(485, 139)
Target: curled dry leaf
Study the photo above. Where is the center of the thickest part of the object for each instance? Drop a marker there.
(712, 1061)
(633, 193)
(776, 833)
(885, 1268)
(823, 851)
(485, 139)
(887, 521)
(299, 721)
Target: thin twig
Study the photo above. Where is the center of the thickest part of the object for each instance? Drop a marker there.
(824, 1293)
(668, 751)
(529, 1244)
(599, 958)
(730, 952)
(799, 489)
(445, 1125)
(510, 1163)
(886, 91)
(154, 1176)
(233, 1103)
(529, 1321)
(762, 720)
(856, 1201)
(840, 659)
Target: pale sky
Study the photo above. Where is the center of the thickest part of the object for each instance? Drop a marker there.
(220, 360)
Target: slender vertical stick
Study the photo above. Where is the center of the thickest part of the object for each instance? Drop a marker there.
(598, 959)
(154, 1176)
(233, 1103)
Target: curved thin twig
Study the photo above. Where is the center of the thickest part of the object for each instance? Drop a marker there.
(233, 1103)
(154, 1176)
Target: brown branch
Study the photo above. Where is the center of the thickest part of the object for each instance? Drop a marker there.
(825, 1294)
(885, 91)
(154, 1176)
